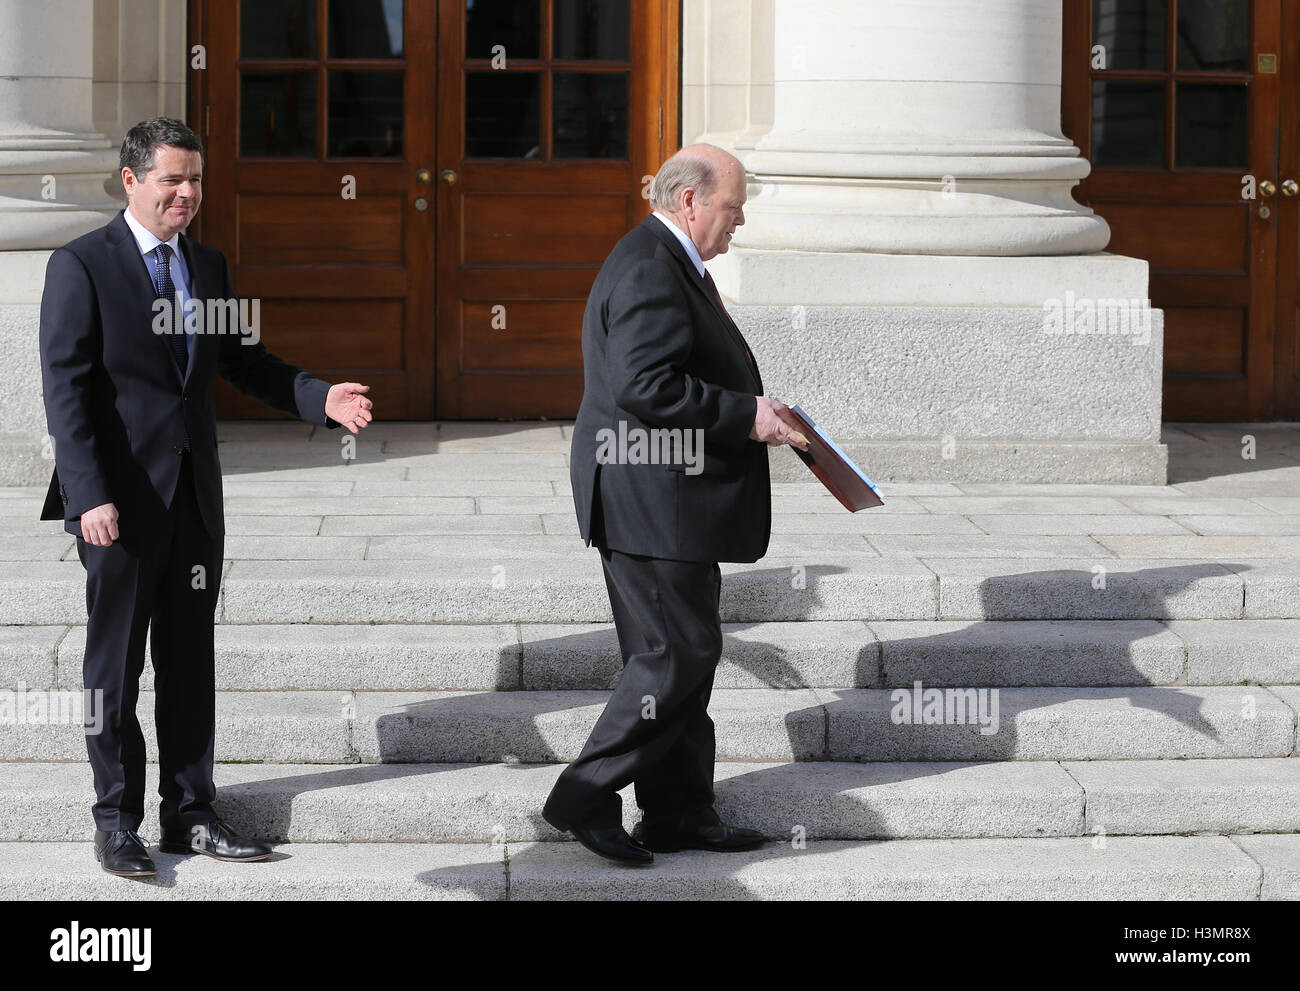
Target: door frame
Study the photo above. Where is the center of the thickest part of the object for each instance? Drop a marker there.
(1287, 353)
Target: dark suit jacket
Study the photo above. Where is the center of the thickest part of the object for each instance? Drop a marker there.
(116, 405)
(660, 352)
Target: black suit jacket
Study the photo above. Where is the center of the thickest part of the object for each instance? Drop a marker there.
(116, 405)
(659, 351)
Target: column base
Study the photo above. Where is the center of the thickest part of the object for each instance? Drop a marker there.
(1063, 462)
(25, 458)
(1008, 390)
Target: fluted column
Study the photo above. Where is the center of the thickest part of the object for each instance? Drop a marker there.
(53, 164)
(926, 127)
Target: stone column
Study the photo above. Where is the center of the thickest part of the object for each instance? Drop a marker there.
(927, 127)
(910, 222)
(53, 164)
(53, 173)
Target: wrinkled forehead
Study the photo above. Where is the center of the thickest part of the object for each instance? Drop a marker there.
(732, 185)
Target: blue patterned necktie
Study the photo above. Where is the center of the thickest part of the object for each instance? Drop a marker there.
(167, 290)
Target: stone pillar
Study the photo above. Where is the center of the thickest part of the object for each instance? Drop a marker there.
(910, 222)
(53, 164)
(931, 127)
(54, 168)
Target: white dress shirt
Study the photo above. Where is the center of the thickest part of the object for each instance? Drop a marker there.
(148, 243)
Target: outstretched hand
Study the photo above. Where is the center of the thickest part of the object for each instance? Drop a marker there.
(347, 404)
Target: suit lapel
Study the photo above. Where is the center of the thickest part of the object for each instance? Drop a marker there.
(729, 328)
(133, 265)
(196, 294)
(675, 246)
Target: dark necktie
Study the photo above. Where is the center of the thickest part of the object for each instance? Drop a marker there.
(731, 323)
(167, 290)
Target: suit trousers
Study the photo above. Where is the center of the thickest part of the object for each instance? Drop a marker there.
(166, 584)
(655, 731)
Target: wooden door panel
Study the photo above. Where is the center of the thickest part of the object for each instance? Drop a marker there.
(1202, 237)
(526, 223)
(503, 228)
(1167, 176)
(545, 340)
(321, 99)
(321, 229)
(372, 288)
(484, 396)
(1212, 341)
(336, 325)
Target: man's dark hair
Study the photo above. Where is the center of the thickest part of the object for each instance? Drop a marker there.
(143, 140)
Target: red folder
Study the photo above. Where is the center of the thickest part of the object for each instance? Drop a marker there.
(833, 468)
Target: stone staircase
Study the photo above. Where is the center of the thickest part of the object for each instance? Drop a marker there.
(411, 644)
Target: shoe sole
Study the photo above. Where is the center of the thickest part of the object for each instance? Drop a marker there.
(614, 860)
(190, 851)
(679, 847)
(618, 860)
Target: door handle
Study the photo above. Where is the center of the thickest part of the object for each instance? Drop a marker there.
(1289, 188)
(1267, 188)
(423, 177)
(449, 177)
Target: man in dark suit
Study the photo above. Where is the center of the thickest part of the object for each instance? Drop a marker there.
(129, 405)
(669, 471)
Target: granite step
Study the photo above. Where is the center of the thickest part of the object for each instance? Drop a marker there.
(1175, 868)
(475, 803)
(826, 654)
(752, 725)
(816, 586)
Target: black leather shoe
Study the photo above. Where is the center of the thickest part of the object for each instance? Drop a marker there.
(123, 853)
(701, 833)
(214, 839)
(613, 843)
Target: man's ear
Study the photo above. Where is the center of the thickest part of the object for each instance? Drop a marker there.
(128, 180)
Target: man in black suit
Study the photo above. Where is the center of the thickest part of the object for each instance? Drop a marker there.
(669, 471)
(129, 405)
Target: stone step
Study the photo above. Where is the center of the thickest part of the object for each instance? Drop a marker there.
(1182, 868)
(819, 585)
(751, 725)
(477, 803)
(821, 654)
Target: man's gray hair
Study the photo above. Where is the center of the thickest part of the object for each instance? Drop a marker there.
(676, 174)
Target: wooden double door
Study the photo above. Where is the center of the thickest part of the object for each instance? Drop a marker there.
(1189, 111)
(420, 192)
